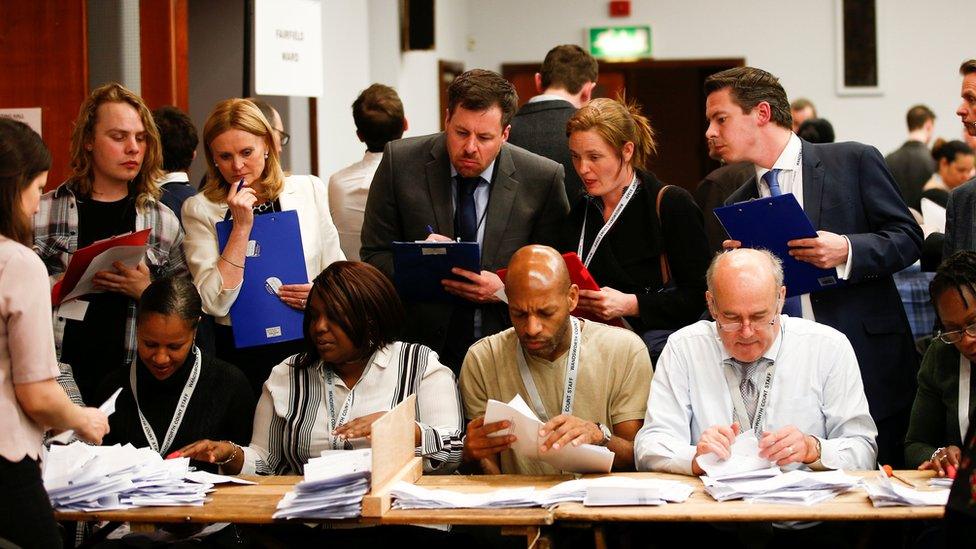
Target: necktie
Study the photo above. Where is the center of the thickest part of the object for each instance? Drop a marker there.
(748, 389)
(466, 215)
(772, 179)
(792, 305)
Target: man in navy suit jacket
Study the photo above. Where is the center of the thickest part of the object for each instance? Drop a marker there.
(864, 231)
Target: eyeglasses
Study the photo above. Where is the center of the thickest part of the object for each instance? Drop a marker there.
(955, 336)
(285, 138)
(756, 324)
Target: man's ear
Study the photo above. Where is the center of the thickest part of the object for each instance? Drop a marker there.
(710, 303)
(538, 83)
(573, 296)
(505, 132)
(406, 124)
(763, 112)
(587, 93)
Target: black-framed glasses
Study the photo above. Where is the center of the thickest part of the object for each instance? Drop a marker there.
(285, 138)
(955, 336)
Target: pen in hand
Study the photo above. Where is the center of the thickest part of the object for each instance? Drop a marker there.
(240, 185)
(430, 230)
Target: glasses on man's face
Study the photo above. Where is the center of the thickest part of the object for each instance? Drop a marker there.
(757, 324)
(955, 336)
(285, 138)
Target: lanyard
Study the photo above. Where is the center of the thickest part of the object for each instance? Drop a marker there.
(329, 376)
(181, 406)
(572, 370)
(965, 370)
(739, 405)
(628, 194)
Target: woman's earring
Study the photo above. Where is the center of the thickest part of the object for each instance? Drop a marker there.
(265, 155)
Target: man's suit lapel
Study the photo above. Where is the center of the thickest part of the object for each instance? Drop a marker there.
(813, 184)
(503, 191)
(439, 187)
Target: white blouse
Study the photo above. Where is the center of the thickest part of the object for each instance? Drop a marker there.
(292, 421)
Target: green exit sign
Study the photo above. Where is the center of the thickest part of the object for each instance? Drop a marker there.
(620, 42)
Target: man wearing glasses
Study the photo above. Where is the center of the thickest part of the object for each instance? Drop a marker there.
(796, 383)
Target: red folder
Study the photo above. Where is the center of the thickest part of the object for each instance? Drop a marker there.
(82, 258)
(579, 275)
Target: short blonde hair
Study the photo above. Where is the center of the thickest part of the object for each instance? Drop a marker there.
(240, 114)
(145, 182)
(617, 123)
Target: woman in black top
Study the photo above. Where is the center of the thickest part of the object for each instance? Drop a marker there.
(616, 230)
(170, 369)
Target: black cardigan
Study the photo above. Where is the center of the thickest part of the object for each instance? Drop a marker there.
(221, 408)
(628, 259)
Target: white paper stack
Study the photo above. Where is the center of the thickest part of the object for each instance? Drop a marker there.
(79, 477)
(749, 477)
(334, 486)
(885, 493)
(595, 491)
(525, 425)
(941, 482)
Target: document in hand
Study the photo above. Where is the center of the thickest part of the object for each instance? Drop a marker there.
(107, 408)
(886, 493)
(334, 486)
(419, 267)
(770, 223)
(128, 248)
(745, 458)
(275, 253)
(579, 275)
(586, 458)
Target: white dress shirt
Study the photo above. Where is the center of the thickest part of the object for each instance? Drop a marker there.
(790, 179)
(292, 422)
(348, 189)
(320, 242)
(816, 386)
(173, 177)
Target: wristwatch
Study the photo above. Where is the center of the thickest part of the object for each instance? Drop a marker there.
(607, 434)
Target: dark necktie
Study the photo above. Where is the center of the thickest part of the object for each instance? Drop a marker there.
(792, 306)
(748, 389)
(466, 215)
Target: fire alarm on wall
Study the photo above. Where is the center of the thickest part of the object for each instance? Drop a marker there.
(620, 8)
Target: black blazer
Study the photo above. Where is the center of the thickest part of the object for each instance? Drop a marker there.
(848, 190)
(628, 259)
(540, 127)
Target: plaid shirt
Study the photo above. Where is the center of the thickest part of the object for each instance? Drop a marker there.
(56, 238)
(913, 286)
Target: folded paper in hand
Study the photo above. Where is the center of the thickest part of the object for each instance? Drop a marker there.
(99, 256)
(744, 458)
(586, 458)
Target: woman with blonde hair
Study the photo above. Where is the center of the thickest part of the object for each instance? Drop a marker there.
(245, 179)
(115, 164)
(644, 242)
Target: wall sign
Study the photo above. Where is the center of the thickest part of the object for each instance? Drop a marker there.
(288, 47)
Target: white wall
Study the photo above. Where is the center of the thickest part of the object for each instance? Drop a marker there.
(921, 48)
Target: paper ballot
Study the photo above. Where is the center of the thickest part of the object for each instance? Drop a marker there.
(107, 407)
(333, 488)
(744, 458)
(587, 458)
(886, 493)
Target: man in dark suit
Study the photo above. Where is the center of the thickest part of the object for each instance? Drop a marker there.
(466, 183)
(864, 232)
(565, 82)
(960, 231)
(912, 164)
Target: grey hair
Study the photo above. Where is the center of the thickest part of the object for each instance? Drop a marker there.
(775, 265)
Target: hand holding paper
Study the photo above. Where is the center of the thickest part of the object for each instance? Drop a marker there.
(742, 456)
(94, 424)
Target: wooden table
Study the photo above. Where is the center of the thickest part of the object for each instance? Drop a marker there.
(255, 504)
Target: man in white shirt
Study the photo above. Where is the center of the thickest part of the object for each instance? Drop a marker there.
(378, 114)
(865, 234)
(793, 381)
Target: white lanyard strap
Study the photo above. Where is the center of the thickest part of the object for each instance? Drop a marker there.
(628, 194)
(739, 405)
(965, 370)
(572, 370)
(181, 406)
(334, 422)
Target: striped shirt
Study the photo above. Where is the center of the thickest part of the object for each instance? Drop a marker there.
(56, 239)
(292, 424)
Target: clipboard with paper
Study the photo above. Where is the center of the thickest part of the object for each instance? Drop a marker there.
(419, 267)
(275, 256)
(769, 223)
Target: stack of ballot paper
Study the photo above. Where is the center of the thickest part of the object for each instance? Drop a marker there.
(600, 491)
(941, 482)
(334, 486)
(525, 425)
(886, 493)
(745, 475)
(79, 477)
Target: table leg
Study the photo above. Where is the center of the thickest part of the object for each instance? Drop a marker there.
(533, 536)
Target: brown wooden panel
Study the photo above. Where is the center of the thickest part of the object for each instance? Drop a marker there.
(45, 64)
(164, 52)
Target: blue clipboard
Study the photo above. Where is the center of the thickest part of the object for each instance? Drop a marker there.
(419, 267)
(770, 223)
(258, 316)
